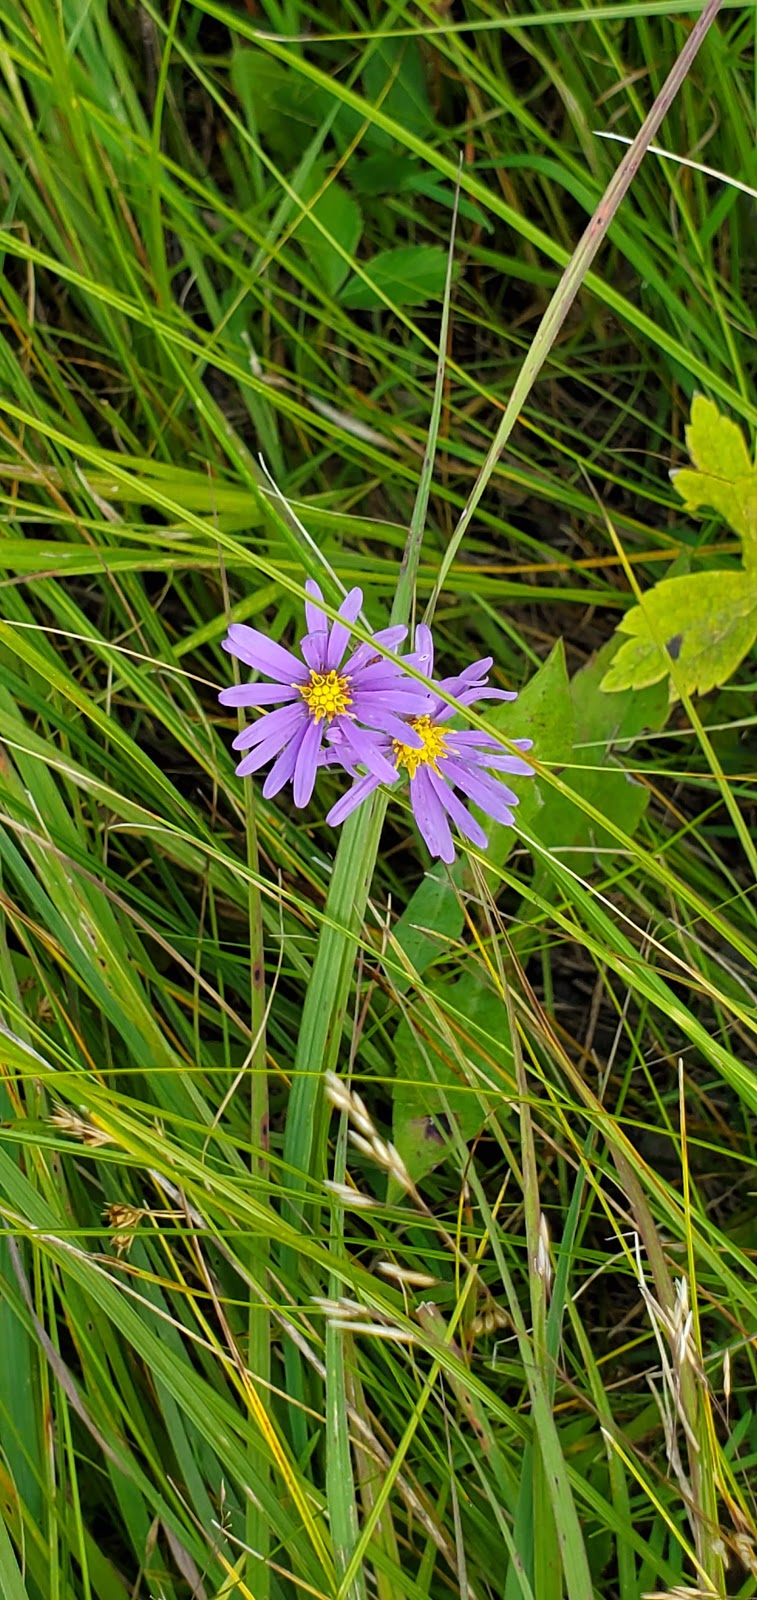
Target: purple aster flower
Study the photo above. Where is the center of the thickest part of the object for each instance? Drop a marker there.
(360, 700)
(447, 760)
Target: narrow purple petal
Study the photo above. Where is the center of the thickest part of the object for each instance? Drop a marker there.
(330, 758)
(476, 672)
(340, 631)
(283, 768)
(381, 717)
(367, 750)
(424, 650)
(283, 721)
(401, 704)
(261, 653)
(484, 792)
(352, 799)
(468, 697)
(476, 736)
(256, 694)
(377, 674)
(316, 620)
(388, 637)
(478, 770)
(430, 817)
(456, 810)
(306, 765)
(314, 648)
(266, 750)
(500, 762)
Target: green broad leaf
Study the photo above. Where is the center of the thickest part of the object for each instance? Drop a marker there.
(432, 921)
(340, 215)
(408, 276)
(600, 724)
(543, 712)
(715, 443)
(724, 477)
(278, 105)
(706, 624)
(432, 1083)
(603, 724)
(385, 172)
(395, 78)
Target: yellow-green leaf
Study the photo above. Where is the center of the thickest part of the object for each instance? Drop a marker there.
(715, 443)
(698, 628)
(724, 478)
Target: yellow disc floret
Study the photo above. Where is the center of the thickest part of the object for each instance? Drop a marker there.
(327, 695)
(434, 746)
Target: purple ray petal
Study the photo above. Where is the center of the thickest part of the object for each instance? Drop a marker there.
(306, 766)
(340, 631)
(376, 674)
(314, 648)
(367, 750)
(402, 704)
(468, 697)
(424, 650)
(430, 817)
(352, 799)
(456, 810)
(316, 620)
(256, 694)
(500, 762)
(484, 792)
(261, 653)
(283, 768)
(265, 751)
(388, 637)
(475, 736)
(339, 757)
(384, 720)
(475, 673)
(479, 771)
(283, 721)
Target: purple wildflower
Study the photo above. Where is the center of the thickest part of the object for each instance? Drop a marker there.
(366, 696)
(447, 760)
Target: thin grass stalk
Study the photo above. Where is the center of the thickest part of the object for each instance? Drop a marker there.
(258, 1318)
(572, 279)
(326, 997)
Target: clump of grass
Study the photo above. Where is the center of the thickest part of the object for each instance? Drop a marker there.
(242, 1353)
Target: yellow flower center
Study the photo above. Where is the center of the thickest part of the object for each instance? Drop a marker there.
(434, 746)
(327, 695)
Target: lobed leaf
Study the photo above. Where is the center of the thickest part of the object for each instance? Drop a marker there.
(702, 626)
(723, 476)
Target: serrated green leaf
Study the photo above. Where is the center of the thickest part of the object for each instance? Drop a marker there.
(340, 215)
(408, 276)
(705, 624)
(723, 478)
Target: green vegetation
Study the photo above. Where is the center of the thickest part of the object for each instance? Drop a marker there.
(512, 1352)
